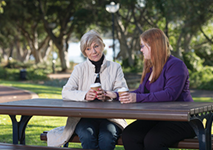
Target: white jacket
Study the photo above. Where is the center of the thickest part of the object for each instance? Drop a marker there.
(83, 75)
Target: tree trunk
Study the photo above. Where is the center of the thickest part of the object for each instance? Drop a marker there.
(125, 50)
(4, 54)
(187, 41)
(63, 55)
(178, 52)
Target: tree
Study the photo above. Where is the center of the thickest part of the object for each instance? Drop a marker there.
(60, 20)
(24, 22)
(2, 3)
(183, 25)
(135, 16)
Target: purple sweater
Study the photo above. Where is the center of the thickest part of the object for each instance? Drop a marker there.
(171, 85)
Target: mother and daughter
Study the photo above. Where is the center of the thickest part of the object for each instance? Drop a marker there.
(164, 78)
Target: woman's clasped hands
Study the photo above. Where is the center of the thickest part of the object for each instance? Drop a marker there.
(92, 94)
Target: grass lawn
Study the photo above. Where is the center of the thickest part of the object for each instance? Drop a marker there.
(37, 124)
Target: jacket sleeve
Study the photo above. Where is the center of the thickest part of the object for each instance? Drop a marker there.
(70, 90)
(119, 79)
(176, 76)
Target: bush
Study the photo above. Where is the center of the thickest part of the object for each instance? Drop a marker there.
(9, 74)
(36, 74)
(136, 68)
(202, 79)
(192, 61)
(31, 74)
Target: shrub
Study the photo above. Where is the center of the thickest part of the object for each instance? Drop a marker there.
(31, 74)
(192, 61)
(36, 74)
(137, 66)
(202, 79)
(9, 74)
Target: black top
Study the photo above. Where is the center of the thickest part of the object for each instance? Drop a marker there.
(98, 68)
(147, 87)
(146, 90)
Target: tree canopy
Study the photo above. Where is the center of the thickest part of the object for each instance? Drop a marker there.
(30, 27)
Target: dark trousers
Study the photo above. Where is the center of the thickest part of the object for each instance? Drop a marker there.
(155, 135)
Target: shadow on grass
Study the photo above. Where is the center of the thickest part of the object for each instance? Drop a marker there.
(40, 126)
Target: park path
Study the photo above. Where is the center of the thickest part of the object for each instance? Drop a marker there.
(8, 94)
(15, 94)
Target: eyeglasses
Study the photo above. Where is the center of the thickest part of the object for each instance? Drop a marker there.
(142, 46)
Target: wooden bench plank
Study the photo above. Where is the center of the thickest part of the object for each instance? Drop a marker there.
(186, 143)
(6, 146)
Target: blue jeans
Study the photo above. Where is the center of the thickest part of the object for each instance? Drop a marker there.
(97, 133)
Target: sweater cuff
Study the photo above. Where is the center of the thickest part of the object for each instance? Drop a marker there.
(117, 98)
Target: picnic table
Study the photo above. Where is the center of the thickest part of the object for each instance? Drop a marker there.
(194, 112)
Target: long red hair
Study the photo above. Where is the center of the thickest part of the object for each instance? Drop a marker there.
(160, 51)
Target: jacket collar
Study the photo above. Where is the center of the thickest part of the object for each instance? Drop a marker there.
(103, 66)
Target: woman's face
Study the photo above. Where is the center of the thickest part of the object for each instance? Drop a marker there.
(94, 52)
(146, 50)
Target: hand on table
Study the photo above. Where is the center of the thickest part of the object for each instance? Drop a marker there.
(128, 98)
(111, 94)
(92, 94)
(100, 94)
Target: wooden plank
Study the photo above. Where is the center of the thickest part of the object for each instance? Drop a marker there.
(169, 106)
(111, 105)
(6, 146)
(176, 111)
(186, 143)
(96, 113)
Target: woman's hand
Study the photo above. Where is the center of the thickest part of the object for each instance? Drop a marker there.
(111, 94)
(100, 94)
(91, 95)
(128, 98)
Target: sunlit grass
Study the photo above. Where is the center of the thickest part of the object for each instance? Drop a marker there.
(38, 124)
(203, 99)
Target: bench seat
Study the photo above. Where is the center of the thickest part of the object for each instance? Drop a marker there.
(6, 146)
(185, 144)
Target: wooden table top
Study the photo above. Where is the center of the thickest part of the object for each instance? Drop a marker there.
(172, 111)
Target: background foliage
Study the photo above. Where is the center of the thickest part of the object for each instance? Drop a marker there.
(35, 29)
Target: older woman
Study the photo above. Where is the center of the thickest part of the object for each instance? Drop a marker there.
(164, 78)
(93, 133)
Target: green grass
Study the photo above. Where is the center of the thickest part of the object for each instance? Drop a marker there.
(203, 99)
(38, 124)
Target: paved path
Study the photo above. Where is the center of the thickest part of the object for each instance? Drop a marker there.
(8, 94)
(201, 93)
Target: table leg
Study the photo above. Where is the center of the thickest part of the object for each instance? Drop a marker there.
(19, 128)
(201, 135)
(204, 135)
(209, 119)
